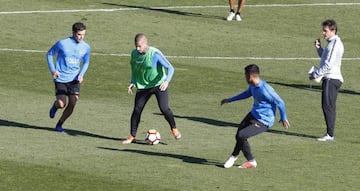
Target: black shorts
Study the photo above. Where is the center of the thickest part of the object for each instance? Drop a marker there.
(69, 88)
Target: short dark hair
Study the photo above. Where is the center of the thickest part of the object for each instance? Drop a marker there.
(252, 69)
(331, 24)
(78, 27)
(139, 37)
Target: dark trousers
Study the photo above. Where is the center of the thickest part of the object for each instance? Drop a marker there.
(330, 90)
(248, 127)
(141, 98)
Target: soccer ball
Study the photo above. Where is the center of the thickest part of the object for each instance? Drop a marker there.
(152, 137)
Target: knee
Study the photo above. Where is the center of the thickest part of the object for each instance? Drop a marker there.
(60, 104)
(240, 136)
(137, 110)
(165, 110)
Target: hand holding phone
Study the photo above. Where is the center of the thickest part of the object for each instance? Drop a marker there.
(317, 43)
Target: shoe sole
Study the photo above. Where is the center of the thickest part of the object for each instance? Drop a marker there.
(325, 140)
(127, 142)
(228, 166)
(246, 167)
(60, 131)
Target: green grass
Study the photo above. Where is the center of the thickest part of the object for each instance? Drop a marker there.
(91, 156)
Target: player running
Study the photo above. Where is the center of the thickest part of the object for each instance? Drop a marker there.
(260, 118)
(67, 71)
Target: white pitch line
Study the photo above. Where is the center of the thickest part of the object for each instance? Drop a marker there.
(174, 7)
(188, 57)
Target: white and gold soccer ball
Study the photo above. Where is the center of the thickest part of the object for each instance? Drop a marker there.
(152, 137)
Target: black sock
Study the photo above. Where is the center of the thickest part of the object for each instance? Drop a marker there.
(232, 10)
(238, 13)
(59, 123)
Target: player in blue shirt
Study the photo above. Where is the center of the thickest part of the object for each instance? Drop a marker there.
(260, 118)
(72, 61)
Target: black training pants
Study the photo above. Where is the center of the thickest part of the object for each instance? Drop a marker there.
(330, 90)
(141, 98)
(248, 127)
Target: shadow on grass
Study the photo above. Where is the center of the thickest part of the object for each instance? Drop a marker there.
(313, 88)
(184, 158)
(169, 11)
(219, 123)
(143, 142)
(67, 131)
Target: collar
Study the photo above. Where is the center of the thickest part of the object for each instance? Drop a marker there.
(332, 38)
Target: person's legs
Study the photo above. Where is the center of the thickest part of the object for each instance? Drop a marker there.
(231, 14)
(246, 133)
(232, 5)
(329, 96)
(241, 144)
(68, 110)
(73, 91)
(241, 4)
(60, 102)
(163, 102)
(141, 98)
(244, 123)
(255, 127)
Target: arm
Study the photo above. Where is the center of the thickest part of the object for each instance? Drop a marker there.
(158, 57)
(132, 81)
(274, 98)
(245, 94)
(319, 51)
(85, 65)
(329, 61)
(50, 60)
(318, 47)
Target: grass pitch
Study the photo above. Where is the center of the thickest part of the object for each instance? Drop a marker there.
(202, 46)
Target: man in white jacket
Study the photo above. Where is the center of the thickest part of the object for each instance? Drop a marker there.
(330, 71)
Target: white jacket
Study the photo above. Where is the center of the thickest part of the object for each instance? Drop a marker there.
(331, 56)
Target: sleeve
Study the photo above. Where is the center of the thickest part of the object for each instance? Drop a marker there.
(319, 51)
(50, 57)
(328, 62)
(274, 98)
(132, 80)
(243, 95)
(86, 62)
(158, 57)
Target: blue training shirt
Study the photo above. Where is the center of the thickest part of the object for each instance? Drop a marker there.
(70, 55)
(265, 102)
